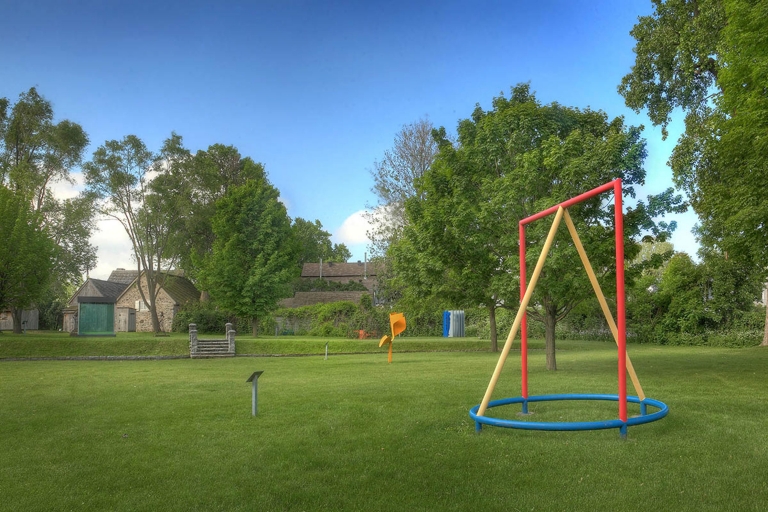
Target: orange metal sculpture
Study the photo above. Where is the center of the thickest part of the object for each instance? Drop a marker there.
(397, 324)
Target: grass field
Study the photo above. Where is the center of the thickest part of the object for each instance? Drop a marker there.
(354, 433)
(51, 344)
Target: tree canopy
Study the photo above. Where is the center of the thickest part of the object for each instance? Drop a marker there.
(26, 255)
(520, 157)
(253, 258)
(708, 58)
(394, 181)
(35, 154)
(314, 243)
(199, 180)
(120, 175)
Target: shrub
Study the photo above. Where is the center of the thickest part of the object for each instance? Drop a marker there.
(330, 319)
(323, 285)
(208, 318)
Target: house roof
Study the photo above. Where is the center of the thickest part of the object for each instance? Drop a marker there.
(358, 269)
(98, 288)
(121, 275)
(109, 289)
(180, 289)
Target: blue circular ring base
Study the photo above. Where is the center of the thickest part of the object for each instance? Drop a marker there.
(577, 425)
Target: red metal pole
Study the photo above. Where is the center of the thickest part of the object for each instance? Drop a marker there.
(574, 200)
(620, 292)
(621, 323)
(523, 322)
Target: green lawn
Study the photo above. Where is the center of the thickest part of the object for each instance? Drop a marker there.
(38, 344)
(354, 433)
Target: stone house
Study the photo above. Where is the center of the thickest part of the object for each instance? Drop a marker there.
(102, 308)
(91, 310)
(175, 291)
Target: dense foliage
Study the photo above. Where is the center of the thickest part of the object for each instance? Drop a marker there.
(708, 58)
(253, 257)
(339, 319)
(205, 315)
(37, 153)
(314, 243)
(521, 157)
(26, 254)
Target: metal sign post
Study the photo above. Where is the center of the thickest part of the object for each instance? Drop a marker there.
(254, 378)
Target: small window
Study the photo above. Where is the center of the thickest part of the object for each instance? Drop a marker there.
(141, 306)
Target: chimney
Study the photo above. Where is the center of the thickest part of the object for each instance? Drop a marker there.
(365, 267)
(321, 268)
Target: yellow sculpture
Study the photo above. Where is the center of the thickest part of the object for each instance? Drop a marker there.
(397, 323)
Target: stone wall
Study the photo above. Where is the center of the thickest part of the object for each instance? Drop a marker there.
(211, 347)
(166, 308)
(309, 298)
(369, 283)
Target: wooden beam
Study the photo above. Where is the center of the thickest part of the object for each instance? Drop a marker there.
(602, 301)
(521, 311)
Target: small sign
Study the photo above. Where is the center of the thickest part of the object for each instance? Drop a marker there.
(255, 376)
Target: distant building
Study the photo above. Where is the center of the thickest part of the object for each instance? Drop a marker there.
(175, 292)
(102, 308)
(29, 319)
(364, 273)
(91, 310)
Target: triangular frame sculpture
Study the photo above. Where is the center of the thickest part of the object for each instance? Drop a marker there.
(618, 328)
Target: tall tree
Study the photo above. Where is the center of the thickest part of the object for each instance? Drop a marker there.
(35, 154)
(26, 255)
(394, 181)
(253, 258)
(510, 162)
(314, 243)
(202, 179)
(120, 174)
(676, 63)
(708, 57)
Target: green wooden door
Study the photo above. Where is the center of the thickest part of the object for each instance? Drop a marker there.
(97, 318)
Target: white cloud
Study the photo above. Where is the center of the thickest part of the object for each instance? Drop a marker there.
(353, 230)
(113, 245)
(64, 190)
(114, 248)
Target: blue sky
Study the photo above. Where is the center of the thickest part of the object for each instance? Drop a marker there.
(314, 90)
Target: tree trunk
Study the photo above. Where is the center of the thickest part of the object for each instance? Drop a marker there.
(550, 320)
(255, 326)
(150, 277)
(16, 314)
(492, 321)
(155, 319)
(765, 330)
